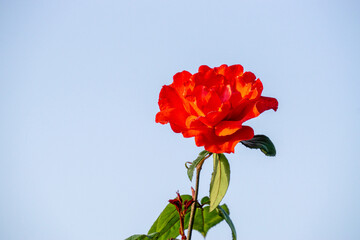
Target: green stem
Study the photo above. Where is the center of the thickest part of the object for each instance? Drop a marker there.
(193, 206)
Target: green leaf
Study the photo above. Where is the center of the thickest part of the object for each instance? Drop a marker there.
(225, 214)
(211, 219)
(168, 222)
(262, 142)
(205, 200)
(205, 220)
(192, 167)
(152, 236)
(219, 180)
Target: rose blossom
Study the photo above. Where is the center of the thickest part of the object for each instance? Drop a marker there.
(212, 105)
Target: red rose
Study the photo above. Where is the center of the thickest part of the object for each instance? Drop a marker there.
(212, 105)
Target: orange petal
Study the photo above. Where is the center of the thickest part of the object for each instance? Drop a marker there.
(225, 128)
(221, 70)
(256, 91)
(225, 144)
(213, 118)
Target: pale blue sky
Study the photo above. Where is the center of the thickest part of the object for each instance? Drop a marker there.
(81, 156)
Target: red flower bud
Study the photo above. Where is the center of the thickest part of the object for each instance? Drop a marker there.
(177, 202)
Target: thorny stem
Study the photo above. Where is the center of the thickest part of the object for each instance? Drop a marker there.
(193, 207)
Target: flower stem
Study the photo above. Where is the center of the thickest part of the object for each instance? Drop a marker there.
(193, 207)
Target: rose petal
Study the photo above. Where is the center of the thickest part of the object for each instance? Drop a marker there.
(221, 70)
(181, 82)
(208, 79)
(249, 77)
(225, 128)
(225, 93)
(253, 108)
(233, 71)
(213, 118)
(204, 68)
(213, 104)
(266, 103)
(171, 108)
(196, 128)
(225, 144)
